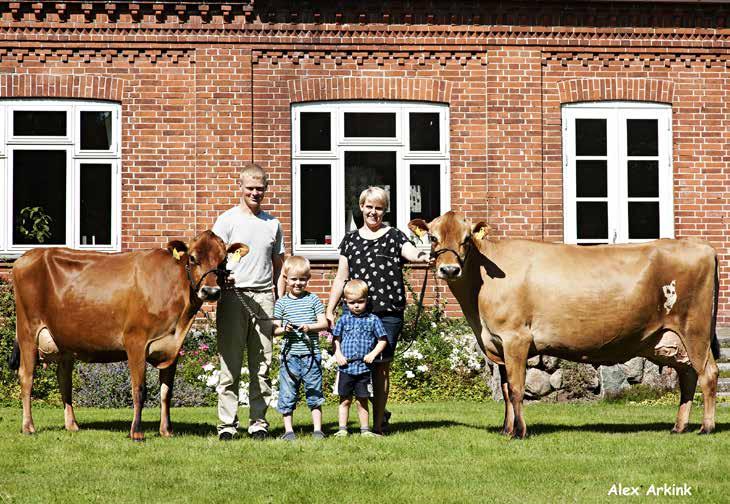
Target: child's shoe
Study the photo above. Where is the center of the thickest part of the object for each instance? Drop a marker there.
(288, 436)
(318, 434)
(369, 433)
(341, 433)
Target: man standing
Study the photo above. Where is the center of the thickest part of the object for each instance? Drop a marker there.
(244, 311)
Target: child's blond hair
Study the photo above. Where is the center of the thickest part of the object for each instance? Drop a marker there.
(355, 289)
(296, 266)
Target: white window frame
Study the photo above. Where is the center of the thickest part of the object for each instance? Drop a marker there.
(616, 114)
(400, 144)
(75, 157)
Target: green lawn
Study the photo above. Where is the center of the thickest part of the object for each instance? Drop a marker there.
(438, 452)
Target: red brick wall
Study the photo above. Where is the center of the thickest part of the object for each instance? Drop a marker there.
(205, 89)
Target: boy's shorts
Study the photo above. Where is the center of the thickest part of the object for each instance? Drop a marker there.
(305, 373)
(357, 385)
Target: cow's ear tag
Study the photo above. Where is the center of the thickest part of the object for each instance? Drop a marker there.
(177, 255)
(235, 257)
(479, 235)
(419, 232)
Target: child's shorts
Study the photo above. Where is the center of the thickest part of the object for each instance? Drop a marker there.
(357, 385)
(305, 372)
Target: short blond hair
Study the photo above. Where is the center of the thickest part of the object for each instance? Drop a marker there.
(376, 193)
(355, 289)
(255, 172)
(296, 265)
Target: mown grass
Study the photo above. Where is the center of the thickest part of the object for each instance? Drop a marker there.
(438, 452)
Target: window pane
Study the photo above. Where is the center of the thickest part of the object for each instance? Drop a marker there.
(642, 137)
(424, 131)
(592, 219)
(590, 179)
(590, 137)
(316, 204)
(96, 204)
(364, 169)
(643, 179)
(644, 219)
(425, 192)
(314, 131)
(369, 124)
(39, 123)
(39, 197)
(96, 130)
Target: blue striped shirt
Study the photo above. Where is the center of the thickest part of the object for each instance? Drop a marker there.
(298, 311)
(358, 335)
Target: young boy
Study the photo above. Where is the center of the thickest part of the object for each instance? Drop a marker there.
(359, 338)
(299, 317)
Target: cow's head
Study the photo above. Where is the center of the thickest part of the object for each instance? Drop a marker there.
(452, 239)
(203, 259)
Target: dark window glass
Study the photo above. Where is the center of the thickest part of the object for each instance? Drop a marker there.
(39, 197)
(364, 169)
(314, 131)
(96, 204)
(590, 137)
(316, 204)
(370, 124)
(39, 123)
(644, 219)
(590, 179)
(424, 131)
(643, 179)
(592, 220)
(642, 137)
(425, 192)
(96, 130)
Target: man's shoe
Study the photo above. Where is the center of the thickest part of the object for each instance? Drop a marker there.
(225, 436)
(259, 435)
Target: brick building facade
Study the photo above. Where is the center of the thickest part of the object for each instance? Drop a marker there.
(201, 88)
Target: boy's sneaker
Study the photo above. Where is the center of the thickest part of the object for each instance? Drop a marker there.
(318, 434)
(369, 433)
(288, 436)
(341, 433)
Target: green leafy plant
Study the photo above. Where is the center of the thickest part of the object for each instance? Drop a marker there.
(35, 224)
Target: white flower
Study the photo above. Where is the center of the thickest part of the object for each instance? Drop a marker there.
(244, 371)
(212, 380)
(208, 367)
(409, 374)
(422, 368)
(433, 325)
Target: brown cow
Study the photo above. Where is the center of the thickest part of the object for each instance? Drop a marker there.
(97, 307)
(600, 304)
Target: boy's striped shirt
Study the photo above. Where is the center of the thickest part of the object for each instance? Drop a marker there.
(298, 311)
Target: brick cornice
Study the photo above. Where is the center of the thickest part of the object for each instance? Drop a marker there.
(609, 88)
(369, 88)
(96, 87)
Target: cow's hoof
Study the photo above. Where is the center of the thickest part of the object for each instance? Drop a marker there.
(166, 434)
(677, 430)
(137, 436)
(27, 432)
(706, 430)
(28, 429)
(74, 427)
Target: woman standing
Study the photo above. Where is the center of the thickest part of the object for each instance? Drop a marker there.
(374, 253)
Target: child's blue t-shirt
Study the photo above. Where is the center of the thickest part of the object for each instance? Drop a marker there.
(358, 335)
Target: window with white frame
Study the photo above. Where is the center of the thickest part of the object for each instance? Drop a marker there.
(59, 175)
(341, 148)
(617, 172)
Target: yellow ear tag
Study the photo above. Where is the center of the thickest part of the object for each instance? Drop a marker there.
(419, 232)
(479, 235)
(235, 256)
(177, 255)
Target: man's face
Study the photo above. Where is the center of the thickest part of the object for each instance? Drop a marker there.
(252, 191)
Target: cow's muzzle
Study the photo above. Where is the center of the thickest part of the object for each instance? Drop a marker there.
(209, 293)
(449, 271)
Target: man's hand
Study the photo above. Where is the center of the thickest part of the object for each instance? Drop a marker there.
(341, 359)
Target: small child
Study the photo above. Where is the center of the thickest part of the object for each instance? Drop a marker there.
(359, 338)
(299, 317)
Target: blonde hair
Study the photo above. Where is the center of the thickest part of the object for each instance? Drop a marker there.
(255, 172)
(355, 289)
(296, 265)
(376, 193)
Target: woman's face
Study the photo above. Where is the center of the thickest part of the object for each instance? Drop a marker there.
(372, 212)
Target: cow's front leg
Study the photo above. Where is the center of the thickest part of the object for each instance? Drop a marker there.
(64, 372)
(137, 373)
(167, 380)
(515, 350)
(25, 374)
(509, 410)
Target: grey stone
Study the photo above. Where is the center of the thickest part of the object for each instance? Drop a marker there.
(537, 383)
(613, 379)
(593, 379)
(634, 369)
(654, 377)
(533, 361)
(556, 379)
(550, 363)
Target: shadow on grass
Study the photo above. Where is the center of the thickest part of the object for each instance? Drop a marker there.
(602, 428)
(151, 427)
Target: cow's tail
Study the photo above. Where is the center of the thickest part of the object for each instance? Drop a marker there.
(714, 342)
(14, 359)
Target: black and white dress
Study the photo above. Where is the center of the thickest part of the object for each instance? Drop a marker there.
(379, 263)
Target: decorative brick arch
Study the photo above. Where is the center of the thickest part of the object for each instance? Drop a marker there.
(607, 88)
(369, 88)
(96, 87)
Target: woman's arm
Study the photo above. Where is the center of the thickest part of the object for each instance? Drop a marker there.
(338, 285)
(412, 254)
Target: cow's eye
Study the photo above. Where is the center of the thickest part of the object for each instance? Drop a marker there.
(193, 259)
(433, 238)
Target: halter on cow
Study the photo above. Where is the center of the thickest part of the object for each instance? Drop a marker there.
(601, 304)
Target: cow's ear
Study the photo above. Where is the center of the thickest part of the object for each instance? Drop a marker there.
(419, 228)
(481, 230)
(236, 252)
(177, 248)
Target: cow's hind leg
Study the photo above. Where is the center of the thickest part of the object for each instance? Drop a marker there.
(167, 380)
(708, 383)
(64, 372)
(687, 386)
(509, 410)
